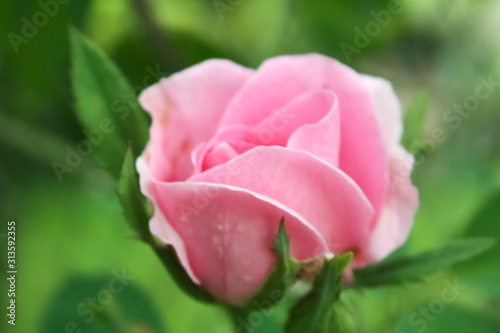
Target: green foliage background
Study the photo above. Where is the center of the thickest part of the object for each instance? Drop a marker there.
(71, 235)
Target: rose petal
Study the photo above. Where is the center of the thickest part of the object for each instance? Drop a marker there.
(308, 108)
(396, 218)
(186, 108)
(224, 235)
(397, 214)
(322, 194)
(158, 225)
(321, 138)
(233, 137)
(387, 110)
(230, 234)
(309, 122)
(279, 80)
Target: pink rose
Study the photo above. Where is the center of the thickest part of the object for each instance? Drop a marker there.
(233, 150)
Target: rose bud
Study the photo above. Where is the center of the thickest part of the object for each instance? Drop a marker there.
(233, 150)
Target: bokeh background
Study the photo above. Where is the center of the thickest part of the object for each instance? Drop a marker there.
(71, 237)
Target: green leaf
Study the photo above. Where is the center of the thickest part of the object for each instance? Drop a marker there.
(457, 318)
(483, 271)
(105, 304)
(414, 120)
(321, 311)
(131, 199)
(106, 104)
(396, 271)
(283, 275)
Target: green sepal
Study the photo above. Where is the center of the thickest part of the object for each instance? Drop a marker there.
(273, 290)
(321, 311)
(169, 259)
(283, 274)
(132, 201)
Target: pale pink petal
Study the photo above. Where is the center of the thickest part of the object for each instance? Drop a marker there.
(387, 110)
(396, 218)
(186, 108)
(276, 82)
(158, 225)
(279, 80)
(322, 138)
(310, 122)
(229, 234)
(220, 153)
(231, 140)
(275, 129)
(322, 194)
(308, 108)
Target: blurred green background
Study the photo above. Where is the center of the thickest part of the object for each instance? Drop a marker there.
(71, 238)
